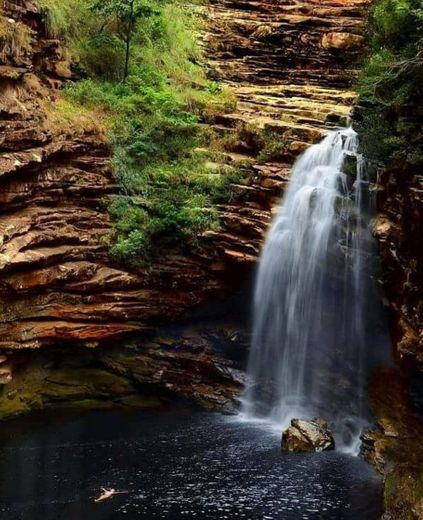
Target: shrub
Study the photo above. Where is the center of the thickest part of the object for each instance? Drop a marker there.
(63, 18)
(391, 83)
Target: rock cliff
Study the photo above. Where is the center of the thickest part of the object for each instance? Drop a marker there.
(398, 228)
(290, 66)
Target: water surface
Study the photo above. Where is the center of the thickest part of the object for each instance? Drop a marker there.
(174, 465)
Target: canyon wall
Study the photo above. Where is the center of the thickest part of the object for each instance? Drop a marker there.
(75, 326)
(288, 63)
(57, 281)
(399, 228)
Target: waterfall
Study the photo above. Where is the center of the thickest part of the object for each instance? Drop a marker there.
(313, 295)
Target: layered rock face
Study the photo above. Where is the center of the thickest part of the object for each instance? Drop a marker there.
(399, 230)
(59, 282)
(290, 63)
(58, 286)
(289, 66)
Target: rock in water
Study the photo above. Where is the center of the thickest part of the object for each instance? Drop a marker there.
(305, 435)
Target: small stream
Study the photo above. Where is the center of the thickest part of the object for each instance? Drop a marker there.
(174, 465)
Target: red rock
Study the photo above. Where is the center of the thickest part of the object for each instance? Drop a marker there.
(57, 281)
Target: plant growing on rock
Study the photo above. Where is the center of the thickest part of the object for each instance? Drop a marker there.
(15, 38)
(119, 19)
(152, 117)
(274, 146)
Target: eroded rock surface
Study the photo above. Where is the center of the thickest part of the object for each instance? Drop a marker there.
(184, 365)
(305, 435)
(399, 229)
(395, 447)
(289, 65)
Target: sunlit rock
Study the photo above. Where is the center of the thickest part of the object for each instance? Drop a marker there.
(305, 435)
(341, 40)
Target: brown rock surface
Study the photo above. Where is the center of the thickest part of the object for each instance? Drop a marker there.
(399, 231)
(395, 446)
(182, 364)
(289, 65)
(308, 436)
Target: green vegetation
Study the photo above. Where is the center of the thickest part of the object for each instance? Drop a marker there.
(267, 144)
(391, 84)
(15, 37)
(141, 69)
(58, 16)
(120, 18)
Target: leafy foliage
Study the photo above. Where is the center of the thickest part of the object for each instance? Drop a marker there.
(153, 117)
(63, 18)
(391, 83)
(121, 17)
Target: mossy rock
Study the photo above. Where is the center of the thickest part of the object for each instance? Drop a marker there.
(37, 386)
(82, 383)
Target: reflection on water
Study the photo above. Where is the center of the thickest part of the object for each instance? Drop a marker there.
(174, 466)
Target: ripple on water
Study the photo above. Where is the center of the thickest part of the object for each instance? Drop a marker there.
(174, 466)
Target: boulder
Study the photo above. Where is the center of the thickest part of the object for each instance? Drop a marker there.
(304, 435)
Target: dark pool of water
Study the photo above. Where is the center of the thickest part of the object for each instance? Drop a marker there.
(174, 466)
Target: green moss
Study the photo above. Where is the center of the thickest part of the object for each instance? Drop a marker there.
(273, 147)
(15, 38)
(83, 383)
(39, 385)
(391, 484)
(23, 393)
(419, 485)
(12, 406)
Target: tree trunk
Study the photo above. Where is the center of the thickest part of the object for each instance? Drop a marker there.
(128, 39)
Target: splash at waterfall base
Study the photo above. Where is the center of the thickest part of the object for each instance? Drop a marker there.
(318, 325)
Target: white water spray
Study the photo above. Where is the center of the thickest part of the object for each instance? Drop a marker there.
(309, 343)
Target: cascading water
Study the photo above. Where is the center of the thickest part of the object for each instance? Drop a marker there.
(313, 293)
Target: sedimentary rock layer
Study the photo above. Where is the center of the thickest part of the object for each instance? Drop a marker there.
(399, 228)
(289, 65)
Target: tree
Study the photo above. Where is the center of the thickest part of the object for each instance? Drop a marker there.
(120, 17)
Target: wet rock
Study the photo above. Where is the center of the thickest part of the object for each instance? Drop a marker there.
(350, 165)
(180, 365)
(304, 435)
(398, 229)
(37, 386)
(5, 374)
(394, 446)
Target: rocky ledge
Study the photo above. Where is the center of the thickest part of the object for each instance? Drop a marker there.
(183, 365)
